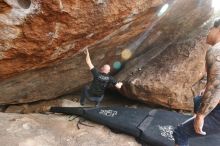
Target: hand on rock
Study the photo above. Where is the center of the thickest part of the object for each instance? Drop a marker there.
(119, 84)
(86, 51)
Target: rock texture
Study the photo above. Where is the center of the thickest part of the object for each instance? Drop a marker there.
(36, 33)
(171, 78)
(169, 66)
(55, 130)
(69, 101)
(40, 50)
(41, 46)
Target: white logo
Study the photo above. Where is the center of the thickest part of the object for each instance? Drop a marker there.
(167, 131)
(108, 113)
(105, 78)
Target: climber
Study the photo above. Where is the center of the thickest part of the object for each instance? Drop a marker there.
(101, 79)
(207, 119)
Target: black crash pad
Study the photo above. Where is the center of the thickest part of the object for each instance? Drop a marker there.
(149, 126)
(120, 119)
(158, 128)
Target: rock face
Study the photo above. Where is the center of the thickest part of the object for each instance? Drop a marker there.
(167, 70)
(54, 130)
(170, 78)
(35, 33)
(41, 46)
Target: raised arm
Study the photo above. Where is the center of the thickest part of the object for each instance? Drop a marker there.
(88, 60)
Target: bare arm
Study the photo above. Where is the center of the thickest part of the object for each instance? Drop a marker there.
(88, 60)
(209, 100)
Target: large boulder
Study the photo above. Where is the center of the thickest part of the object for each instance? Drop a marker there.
(36, 33)
(170, 79)
(42, 42)
(171, 61)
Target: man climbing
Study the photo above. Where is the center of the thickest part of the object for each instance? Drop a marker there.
(101, 79)
(207, 119)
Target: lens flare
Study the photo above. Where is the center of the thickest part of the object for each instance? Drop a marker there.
(117, 65)
(216, 5)
(163, 10)
(126, 54)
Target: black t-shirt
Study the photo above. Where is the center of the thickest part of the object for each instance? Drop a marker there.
(100, 82)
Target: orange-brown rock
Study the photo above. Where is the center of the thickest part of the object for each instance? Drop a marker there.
(40, 45)
(36, 33)
(4, 7)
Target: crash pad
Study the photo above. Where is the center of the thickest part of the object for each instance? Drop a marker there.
(149, 126)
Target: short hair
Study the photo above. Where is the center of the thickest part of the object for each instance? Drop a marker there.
(217, 23)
